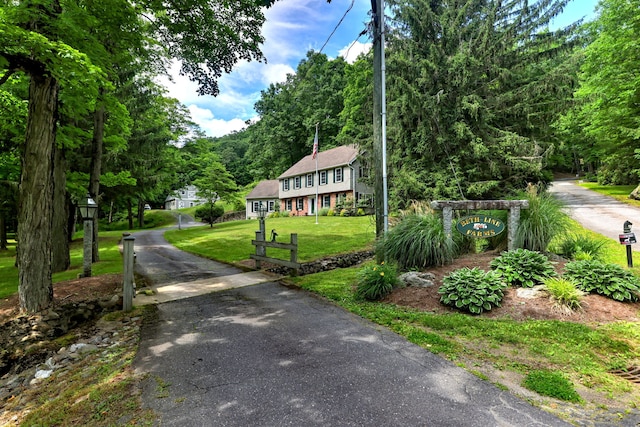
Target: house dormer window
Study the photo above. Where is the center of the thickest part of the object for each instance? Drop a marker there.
(337, 175)
(296, 183)
(323, 177)
(309, 180)
(285, 184)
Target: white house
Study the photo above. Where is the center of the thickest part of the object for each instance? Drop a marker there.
(266, 192)
(183, 198)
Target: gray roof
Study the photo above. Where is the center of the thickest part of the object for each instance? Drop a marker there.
(267, 189)
(339, 156)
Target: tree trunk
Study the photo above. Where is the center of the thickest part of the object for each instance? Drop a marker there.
(140, 213)
(97, 144)
(35, 207)
(130, 214)
(72, 214)
(61, 259)
(3, 233)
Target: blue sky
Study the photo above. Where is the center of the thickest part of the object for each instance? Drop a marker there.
(294, 27)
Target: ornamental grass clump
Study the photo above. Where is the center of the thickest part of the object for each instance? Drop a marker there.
(610, 280)
(581, 247)
(541, 221)
(473, 290)
(564, 292)
(523, 268)
(417, 242)
(376, 281)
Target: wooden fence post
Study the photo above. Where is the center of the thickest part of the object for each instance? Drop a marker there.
(128, 289)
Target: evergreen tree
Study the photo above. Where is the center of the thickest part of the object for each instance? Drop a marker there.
(473, 86)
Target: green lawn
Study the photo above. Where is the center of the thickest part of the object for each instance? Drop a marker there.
(618, 192)
(110, 262)
(231, 241)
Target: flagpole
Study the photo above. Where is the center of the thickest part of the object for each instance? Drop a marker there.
(315, 148)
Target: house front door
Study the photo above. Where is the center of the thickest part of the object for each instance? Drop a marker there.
(312, 206)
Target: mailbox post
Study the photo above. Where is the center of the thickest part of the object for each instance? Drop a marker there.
(628, 238)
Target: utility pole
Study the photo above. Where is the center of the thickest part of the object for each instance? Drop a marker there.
(379, 120)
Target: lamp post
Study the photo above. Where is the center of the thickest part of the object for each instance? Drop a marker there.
(262, 213)
(87, 208)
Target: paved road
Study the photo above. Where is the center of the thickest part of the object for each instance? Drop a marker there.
(164, 264)
(602, 214)
(267, 355)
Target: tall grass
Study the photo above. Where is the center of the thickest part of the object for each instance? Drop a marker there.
(542, 221)
(418, 241)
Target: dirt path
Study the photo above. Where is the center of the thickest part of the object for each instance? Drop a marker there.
(596, 212)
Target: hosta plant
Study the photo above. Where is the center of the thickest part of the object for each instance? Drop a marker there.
(610, 280)
(376, 281)
(473, 290)
(522, 267)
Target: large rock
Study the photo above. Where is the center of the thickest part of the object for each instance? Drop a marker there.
(417, 279)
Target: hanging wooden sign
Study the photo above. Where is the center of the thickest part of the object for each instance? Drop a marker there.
(480, 226)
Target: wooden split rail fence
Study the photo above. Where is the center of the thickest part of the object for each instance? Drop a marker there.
(261, 252)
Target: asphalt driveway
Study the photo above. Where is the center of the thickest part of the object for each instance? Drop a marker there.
(268, 355)
(596, 212)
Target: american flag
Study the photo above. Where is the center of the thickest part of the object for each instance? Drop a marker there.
(315, 144)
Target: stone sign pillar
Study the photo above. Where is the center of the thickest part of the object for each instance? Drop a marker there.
(513, 206)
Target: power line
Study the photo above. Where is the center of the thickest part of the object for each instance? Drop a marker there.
(354, 42)
(339, 23)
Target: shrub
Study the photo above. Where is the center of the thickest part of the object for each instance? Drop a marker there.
(418, 241)
(542, 221)
(581, 247)
(522, 267)
(375, 281)
(564, 292)
(330, 212)
(609, 280)
(345, 212)
(274, 214)
(361, 212)
(209, 212)
(472, 290)
(323, 212)
(552, 384)
(285, 214)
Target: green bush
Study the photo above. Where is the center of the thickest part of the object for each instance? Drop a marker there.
(209, 212)
(609, 280)
(564, 292)
(581, 247)
(552, 384)
(323, 212)
(361, 212)
(376, 281)
(285, 214)
(345, 212)
(522, 267)
(418, 241)
(331, 212)
(542, 221)
(473, 290)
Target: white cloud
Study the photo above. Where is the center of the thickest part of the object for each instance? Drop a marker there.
(291, 29)
(350, 53)
(212, 126)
